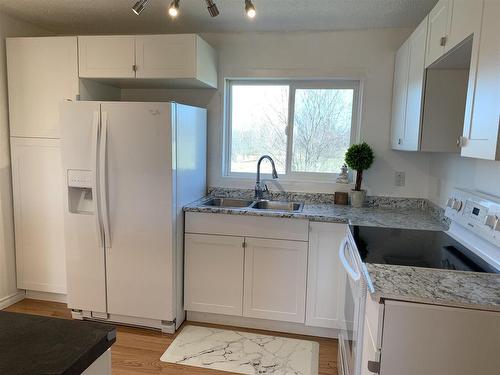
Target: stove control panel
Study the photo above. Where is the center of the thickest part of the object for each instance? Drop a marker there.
(478, 212)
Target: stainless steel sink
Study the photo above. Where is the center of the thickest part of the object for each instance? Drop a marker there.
(278, 206)
(228, 202)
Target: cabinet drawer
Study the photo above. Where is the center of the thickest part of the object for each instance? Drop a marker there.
(247, 226)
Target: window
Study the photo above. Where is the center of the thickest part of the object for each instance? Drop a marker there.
(306, 127)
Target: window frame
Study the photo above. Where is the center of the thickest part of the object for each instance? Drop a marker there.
(293, 84)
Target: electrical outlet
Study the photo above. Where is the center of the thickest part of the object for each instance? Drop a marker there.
(399, 179)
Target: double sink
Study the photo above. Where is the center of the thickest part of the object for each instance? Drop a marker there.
(255, 204)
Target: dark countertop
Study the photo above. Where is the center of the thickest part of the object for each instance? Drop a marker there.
(38, 345)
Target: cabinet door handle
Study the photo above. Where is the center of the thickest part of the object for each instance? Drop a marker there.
(374, 367)
(461, 141)
(442, 41)
(134, 68)
(400, 141)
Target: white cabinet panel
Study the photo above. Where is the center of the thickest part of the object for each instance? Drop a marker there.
(42, 73)
(38, 213)
(399, 95)
(482, 116)
(465, 21)
(247, 226)
(166, 56)
(275, 279)
(425, 339)
(408, 91)
(213, 274)
(438, 31)
(106, 56)
(325, 276)
(415, 91)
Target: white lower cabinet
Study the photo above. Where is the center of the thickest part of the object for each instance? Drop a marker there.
(213, 274)
(279, 269)
(326, 276)
(275, 279)
(414, 339)
(38, 214)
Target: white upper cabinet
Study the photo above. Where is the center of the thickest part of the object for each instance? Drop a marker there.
(438, 31)
(482, 116)
(399, 96)
(106, 56)
(450, 23)
(326, 278)
(42, 73)
(178, 60)
(408, 92)
(182, 56)
(465, 21)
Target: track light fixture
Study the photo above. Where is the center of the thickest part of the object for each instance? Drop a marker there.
(250, 9)
(139, 6)
(173, 9)
(212, 8)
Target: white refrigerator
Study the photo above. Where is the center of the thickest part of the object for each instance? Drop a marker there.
(129, 168)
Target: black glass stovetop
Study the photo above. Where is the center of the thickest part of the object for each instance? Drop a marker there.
(416, 248)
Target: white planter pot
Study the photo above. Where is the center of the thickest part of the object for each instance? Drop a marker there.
(358, 198)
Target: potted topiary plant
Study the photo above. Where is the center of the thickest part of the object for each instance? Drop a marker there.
(359, 157)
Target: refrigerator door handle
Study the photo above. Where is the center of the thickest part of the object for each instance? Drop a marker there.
(95, 142)
(103, 189)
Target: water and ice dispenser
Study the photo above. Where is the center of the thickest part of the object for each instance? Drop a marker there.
(80, 197)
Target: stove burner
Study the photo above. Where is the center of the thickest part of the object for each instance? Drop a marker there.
(416, 248)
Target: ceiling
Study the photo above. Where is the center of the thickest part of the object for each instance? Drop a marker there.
(115, 16)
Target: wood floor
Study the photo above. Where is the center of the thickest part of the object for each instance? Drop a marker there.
(138, 351)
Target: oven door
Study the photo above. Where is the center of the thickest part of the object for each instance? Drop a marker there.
(350, 336)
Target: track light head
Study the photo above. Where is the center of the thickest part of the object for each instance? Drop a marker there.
(250, 9)
(173, 10)
(139, 6)
(212, 8)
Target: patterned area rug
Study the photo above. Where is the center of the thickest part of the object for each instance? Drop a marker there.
(242, 352)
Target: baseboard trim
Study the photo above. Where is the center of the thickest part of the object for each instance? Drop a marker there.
(46, 296)
(12, 299)
(267, 325)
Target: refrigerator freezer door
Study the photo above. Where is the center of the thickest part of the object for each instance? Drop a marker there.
(85, 258)
(138, 184)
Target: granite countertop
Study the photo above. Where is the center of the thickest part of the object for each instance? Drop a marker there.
(440, 287)
(34, 345)
(405, 216)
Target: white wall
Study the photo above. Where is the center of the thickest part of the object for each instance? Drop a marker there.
(451, 171)
(367, 55)
(8, 27)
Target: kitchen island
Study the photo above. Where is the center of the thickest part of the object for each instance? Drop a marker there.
(34, 345)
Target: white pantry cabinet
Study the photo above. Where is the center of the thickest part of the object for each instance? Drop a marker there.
(38, 214)
(409, 75)
(482, 116)
(42, 73)
(325, 276)
(179, 60)
(275, 279)
(213, 274)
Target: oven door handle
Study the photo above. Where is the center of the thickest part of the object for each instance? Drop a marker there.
(355, 276)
